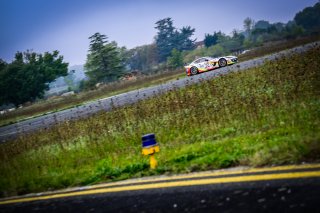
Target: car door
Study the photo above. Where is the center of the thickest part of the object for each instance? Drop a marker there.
(202, 64)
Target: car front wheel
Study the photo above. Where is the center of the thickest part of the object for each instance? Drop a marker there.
(222, 62)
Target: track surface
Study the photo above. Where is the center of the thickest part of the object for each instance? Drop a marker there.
(275, 189)
(106, 104)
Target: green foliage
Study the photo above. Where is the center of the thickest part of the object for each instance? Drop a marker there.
(70, 81)
(104, 63)
(168, 38)
(3, 64)
(165, 37)
(214, 51)
(217, 50)
(263, 32)
(28, 76)
(262, 24)
(292, 30)
(210, 40)
(248, 24)
(143, 58)
(183, 39)
(231, 45)
(257, 33)
(309, 18)
(106, 170)
(216, 45)
(264, 115)
(247, 43)
(175, 60)
(238, 36)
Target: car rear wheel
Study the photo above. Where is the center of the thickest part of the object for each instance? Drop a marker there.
(194, 70)
(222, 62)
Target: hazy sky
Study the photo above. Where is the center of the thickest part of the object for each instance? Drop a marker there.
(65, 25)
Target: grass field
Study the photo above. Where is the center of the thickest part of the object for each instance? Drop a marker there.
(60, 103)
(268, 115)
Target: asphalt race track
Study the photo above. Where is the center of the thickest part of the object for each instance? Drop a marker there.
(12, 131)
(274, 189)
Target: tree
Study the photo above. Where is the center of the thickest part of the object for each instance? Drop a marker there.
(221, 37)
(262, 24)
(279, 26)
(29, 75)
(175, 60)
(104, 63)
(309, 18)
(3, 64)
(124, 55)
(183, 39)
(210, 40)
(248, 24)
(237, 35)
(292, 30)
(168, 38)
(142, 58)
(164, 38)
(70, 81)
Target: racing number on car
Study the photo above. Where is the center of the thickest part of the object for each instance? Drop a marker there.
(209, 65)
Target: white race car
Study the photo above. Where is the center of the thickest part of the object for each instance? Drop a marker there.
(207, 63)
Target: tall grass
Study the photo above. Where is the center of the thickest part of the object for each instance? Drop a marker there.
(261, 116)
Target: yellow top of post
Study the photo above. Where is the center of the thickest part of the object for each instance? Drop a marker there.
(150, 150)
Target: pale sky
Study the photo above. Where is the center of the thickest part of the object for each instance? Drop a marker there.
(65, 25)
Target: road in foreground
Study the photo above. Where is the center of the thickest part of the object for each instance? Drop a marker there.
(106, 104)
(275, 189)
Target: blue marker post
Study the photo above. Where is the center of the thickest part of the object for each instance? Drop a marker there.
(150, 147)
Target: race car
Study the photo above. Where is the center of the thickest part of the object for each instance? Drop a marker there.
(208, 63)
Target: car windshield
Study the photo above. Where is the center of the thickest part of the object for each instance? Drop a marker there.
(209, 58)
(202, 60)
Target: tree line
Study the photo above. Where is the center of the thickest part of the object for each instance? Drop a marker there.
(173, 47)
(27, 77)
(106, 62)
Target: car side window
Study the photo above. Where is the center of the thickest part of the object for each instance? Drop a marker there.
(202, 60)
